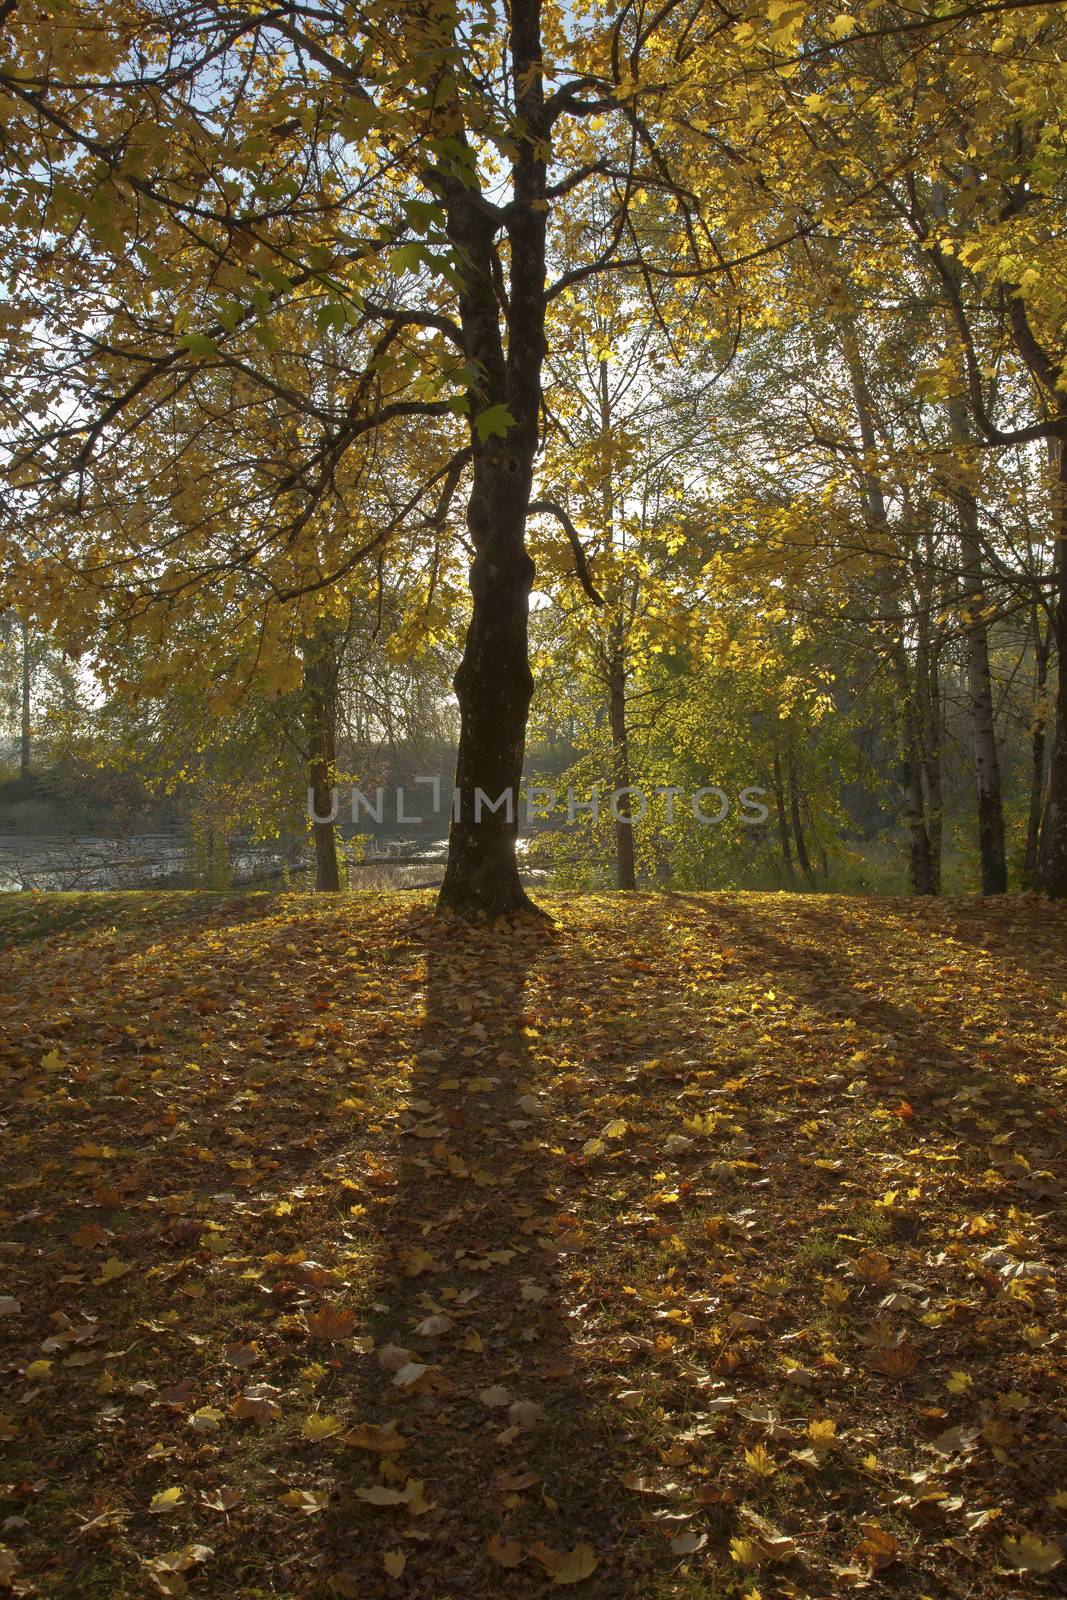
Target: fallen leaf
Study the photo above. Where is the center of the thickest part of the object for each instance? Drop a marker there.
(573, 1566)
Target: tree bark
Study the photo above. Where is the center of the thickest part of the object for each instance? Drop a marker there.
(625, 876)
(783, 825)
(990, 807)
(798, 827)
(1052, 850)
(320, 727)
(24, 728)
(494, 684)
(1038, 721)
(929, 730)
(920, 859)
(921, 866)
(991, 849)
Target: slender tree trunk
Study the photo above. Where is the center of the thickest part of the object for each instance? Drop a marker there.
(615, 653)
(1038, 722)
(625, 877)
(783, 825)
(991, 849)
(928, 719)
(798, 827)
(320, 723)
(24, 731)
(921, 864)
(920, 859)
(1052, 850)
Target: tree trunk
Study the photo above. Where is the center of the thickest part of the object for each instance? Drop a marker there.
(1052, 850)
(494, 686)
(625, 877)
(991, 850)
(1037, 750)
(24, 730)
(798, 827)
(783, 825)
(921, 866)
(320, 723)
(928, 689)
(920, 859)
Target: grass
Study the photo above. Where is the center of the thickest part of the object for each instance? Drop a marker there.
(724, 1234)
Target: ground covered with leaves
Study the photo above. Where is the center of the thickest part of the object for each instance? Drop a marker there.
(698, 1245)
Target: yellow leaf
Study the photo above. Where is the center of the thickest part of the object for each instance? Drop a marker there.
(1031, 1554)
(759, 1461)
(573, 1566)
(306, 1500)
(369, 1436)
(206, 1419)
(877, 1548)
(113, 1268)
(316, 1426)
(166, 1499)
(394, 1562)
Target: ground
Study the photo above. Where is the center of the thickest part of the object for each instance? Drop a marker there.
(697, 1246)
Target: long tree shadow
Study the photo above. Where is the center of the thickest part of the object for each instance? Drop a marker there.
(906, 1048)
(517, 1450)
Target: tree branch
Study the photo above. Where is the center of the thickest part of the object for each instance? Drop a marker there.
(551, 509)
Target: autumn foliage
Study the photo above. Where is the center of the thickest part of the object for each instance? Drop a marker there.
(695, 1245)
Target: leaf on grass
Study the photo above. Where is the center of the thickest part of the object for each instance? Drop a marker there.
(1031, 1554)
(572, 1566)
(391, 1357)
(411, 1495)
(330, 1324)
(383, 1441)
(379, 1494)
(257, 1404)
(894, 1361)
(417, 1377)
(222, 1500)
(113, 1268)
(526, 1414)
(876, 1549)
(504, 1552)
(416, 1261)
(434, 1327)
(760, 1461)
(306, 1501)
(688, 1542)
(166, 1571)
(316, 1426)
(166, 1499)
(241, 1356)
(206, 1419)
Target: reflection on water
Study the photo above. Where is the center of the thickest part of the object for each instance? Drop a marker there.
(396, 874)
(167, 860)
(144, 861)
